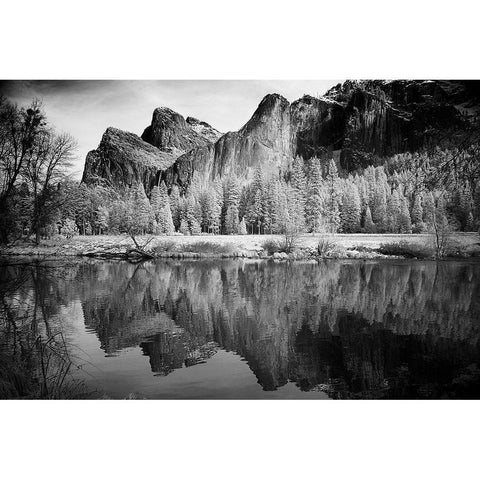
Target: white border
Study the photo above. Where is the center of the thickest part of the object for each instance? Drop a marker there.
(239, 40)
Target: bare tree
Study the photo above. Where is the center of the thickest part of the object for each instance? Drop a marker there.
(19, 131)
(46, 168)
(442, 231)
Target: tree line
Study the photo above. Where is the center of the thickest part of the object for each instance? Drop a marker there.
(310, 197)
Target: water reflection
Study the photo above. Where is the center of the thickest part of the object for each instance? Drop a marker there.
(348, 329)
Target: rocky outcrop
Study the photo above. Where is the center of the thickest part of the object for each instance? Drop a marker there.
(383, 118)
(123, 159)
(264, 140)
(181, 172)
(204, 129)
(170, 132)
(317, 124)
(170, 149)
(362, 121)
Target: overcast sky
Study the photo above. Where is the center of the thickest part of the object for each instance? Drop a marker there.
(86, 108)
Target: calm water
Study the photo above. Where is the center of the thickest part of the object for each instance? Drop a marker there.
(258, 329)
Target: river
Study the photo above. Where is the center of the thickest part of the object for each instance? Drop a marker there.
(246, 329)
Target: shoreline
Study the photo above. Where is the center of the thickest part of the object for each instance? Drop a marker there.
(341, 246)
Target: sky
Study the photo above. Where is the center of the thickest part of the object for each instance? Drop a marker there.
(86, 108)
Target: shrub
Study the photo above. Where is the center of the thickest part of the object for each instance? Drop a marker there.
(242, 227)
(456, 249)
(271, 246)
(405, 249)
(325, 247)
(163, 247)
(184, 228)
(69, 228)
(289, 242)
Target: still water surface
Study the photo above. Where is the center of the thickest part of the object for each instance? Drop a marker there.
(260, 329)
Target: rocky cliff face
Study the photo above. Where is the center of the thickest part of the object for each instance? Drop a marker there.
(361, 120)
(123, 159)
(204, 129)
(387, 117)
(264, 140)
(170, 149)
(169, 131)
(317, 123)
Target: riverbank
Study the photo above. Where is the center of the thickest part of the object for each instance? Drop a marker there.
(363, 246)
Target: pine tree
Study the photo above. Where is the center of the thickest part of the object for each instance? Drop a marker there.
(193, 215)
(404, 222)
(362, 188)
(258, 208)
(350, 208)
(417, 214)
(242, 227)
(463, 206)
(393, 212)
(155, 201)
(270, 205)
(294, 219)
(369, 226)
(314, 200)
(219, 198)
(184, 229)
(175, 206)
(298, 191)
(282, 216)
(141, 217)
(429, 209)
(332, 198)
(258, 181)
(165, 222)
(231, 198)
(160, 204)
(231, 220)
(371, 184)
(417, 210)
(470, 227)
(246, 207)
(210, 211)
(257, 211)
(379, 211)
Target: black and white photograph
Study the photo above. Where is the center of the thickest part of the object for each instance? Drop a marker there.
(249, 231)
(328, 247)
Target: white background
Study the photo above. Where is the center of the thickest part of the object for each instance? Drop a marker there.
(246, 39)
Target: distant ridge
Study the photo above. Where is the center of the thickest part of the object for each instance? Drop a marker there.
(357, 122)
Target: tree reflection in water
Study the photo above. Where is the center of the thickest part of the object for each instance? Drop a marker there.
(350, 329)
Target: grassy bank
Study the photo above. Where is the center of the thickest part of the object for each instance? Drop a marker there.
(255, 246)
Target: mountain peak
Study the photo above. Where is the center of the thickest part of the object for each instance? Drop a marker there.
(170, 132)
(270, 110)
(272, 99)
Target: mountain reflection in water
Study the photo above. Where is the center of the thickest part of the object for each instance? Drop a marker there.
(338, 329)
